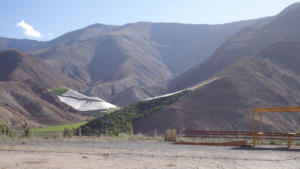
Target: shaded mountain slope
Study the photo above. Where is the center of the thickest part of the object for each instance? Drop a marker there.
(247, 42)
(18, 66)
(25, 101)
(182, 45)
(24, 80)
(20, 44)
(269, 79)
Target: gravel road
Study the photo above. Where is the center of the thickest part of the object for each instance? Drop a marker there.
(72, 154)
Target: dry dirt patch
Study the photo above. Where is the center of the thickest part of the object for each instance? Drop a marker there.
(139, 155)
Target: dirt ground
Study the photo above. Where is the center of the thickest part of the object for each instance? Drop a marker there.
(72, 154)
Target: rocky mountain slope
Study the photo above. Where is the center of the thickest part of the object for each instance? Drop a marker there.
(25, 101)
(247, 42)
(133, 60)
(23, 92)
(19, 66)
(258, 66)
(271, 78)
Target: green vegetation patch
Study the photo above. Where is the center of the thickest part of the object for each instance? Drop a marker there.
(60, 128)
(59, 90)
(108, 111)
(120, 121)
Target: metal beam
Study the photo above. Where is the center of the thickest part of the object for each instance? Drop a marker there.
(268, 109)
(261, 128)
(277, 109)
(253, 121)
(260, 122)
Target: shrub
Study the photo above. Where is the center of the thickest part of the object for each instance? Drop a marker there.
(68, 133)
(26, 129)
(6, 130)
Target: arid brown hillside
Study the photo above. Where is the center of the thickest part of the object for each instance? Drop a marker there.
(272, 78)
(133, 60)
(247, 42)
(18, 66)
(118, 60)
(25, 101)
(23, 92)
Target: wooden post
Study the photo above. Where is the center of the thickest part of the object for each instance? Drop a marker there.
(4, 131)
(290, 135)
(260, 137)
(261, 127)
(173, 134)
(260, 122)
(79, 132)
(253, 121)
(254, 139)
(289, 141)
(131, 130)
(155, 133)
(167, 135)
(182, 132)
(253, 128)
(170, 135)
(31, 131)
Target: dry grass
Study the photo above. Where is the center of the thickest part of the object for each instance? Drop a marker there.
(59, 137)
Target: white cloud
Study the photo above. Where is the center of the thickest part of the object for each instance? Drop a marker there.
(29, 30)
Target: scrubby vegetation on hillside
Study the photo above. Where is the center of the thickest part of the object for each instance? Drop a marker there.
(59, 90)
(120, 121)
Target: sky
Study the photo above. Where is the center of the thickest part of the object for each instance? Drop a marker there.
(47, 19)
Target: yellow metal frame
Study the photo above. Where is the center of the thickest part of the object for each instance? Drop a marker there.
(259, 136)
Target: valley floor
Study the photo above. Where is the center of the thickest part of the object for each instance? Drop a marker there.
(77, 154)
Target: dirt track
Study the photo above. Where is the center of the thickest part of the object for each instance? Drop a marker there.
(140, 155)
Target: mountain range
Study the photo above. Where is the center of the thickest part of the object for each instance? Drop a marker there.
(269, 79)
(132, 61)
(228, 67)
(256, 67)
(247, 42)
